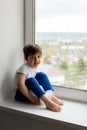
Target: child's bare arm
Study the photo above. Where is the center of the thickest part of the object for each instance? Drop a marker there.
(24, 90)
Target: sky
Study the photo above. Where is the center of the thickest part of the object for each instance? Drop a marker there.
(61, 15)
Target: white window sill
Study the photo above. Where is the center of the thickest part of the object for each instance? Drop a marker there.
(73, 114)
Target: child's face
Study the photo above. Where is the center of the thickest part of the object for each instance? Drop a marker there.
(34, 60)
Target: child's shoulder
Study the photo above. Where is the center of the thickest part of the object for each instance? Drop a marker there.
(22, 68)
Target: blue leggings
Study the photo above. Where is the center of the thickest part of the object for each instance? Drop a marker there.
(35, 84)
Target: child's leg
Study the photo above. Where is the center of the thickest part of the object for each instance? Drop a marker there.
(50, 104)
(44, 81)
(56, 100)
(20, 97)
(33, 85)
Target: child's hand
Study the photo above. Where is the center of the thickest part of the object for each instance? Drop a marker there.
(35, 100)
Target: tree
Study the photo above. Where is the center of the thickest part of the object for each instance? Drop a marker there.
(64, 65)
(81, 65)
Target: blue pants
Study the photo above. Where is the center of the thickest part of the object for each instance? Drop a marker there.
(35, 84)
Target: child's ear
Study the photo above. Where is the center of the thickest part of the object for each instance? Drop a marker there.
(27, 58)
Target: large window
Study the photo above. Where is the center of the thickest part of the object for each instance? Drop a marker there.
(61, 30)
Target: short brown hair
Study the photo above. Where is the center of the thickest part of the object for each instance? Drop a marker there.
(31, 49)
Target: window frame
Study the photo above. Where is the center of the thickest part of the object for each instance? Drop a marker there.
(29, 37)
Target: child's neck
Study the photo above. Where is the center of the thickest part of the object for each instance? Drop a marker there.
(35, 68)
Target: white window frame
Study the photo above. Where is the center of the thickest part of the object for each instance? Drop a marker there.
(29, 21)
(29, 36)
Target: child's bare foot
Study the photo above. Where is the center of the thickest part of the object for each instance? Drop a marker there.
(53, 106)
(56, 100)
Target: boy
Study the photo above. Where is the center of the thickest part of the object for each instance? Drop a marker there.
(33, 85)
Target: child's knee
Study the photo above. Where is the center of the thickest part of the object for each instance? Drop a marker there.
(29, 81)
(39, 74)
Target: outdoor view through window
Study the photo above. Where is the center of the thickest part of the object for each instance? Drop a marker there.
(61, 31)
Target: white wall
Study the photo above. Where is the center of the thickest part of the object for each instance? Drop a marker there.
(11, 42)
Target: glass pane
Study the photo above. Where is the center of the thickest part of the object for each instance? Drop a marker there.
(61, 30)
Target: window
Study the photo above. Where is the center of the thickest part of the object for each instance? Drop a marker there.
(61, 31)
